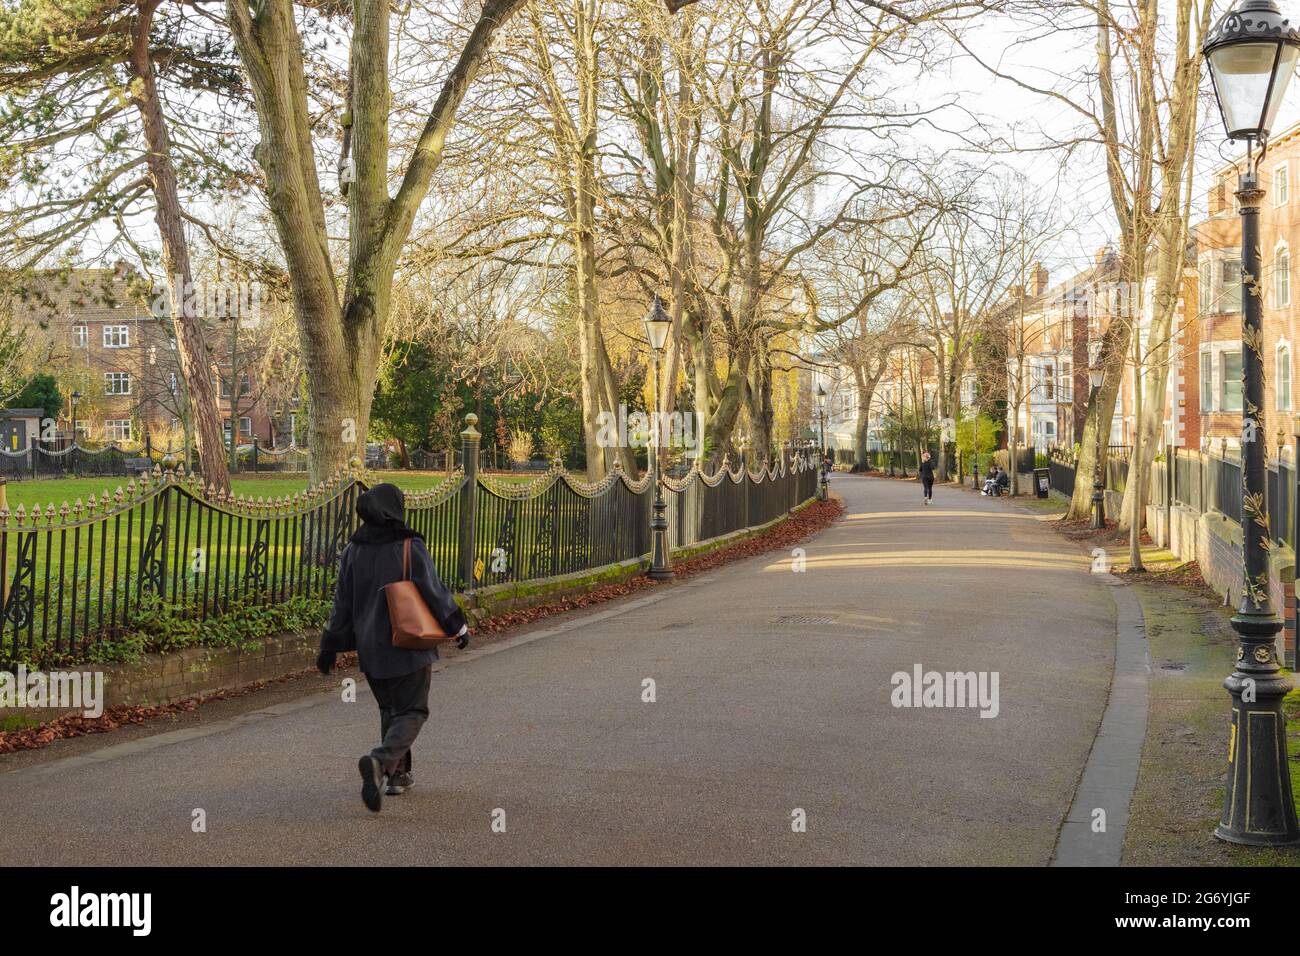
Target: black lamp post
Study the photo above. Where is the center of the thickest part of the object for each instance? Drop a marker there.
(1252, 55)
(657, 325)
(821, 461)
(821, 415)
(1098, 485)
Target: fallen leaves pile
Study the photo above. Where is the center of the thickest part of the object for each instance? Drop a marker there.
(816, 517)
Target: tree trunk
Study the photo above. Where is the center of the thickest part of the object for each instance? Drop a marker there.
(340, 340)
(191, 344)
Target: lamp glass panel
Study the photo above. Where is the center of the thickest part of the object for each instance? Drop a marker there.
(1242, 72)
(657, 333)
(1285, 71)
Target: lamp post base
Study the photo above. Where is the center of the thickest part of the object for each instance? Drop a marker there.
(1258, 805)
(660, 567)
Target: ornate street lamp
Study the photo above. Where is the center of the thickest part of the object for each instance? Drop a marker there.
(1252, 54)
(657, 326)
(1098, 485)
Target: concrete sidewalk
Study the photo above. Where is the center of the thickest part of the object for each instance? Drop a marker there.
(772, 695)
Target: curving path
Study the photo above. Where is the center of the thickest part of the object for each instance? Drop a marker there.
(773, 692)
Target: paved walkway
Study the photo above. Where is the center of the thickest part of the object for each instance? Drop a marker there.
(773, 694)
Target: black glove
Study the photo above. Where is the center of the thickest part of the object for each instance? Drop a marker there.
(325, 661)
(462, 641)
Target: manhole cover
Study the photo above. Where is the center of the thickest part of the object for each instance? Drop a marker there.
(803, 620)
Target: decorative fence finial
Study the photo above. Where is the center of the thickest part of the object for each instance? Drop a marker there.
(470, 433)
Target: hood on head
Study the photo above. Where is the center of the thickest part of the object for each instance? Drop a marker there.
(382, 505)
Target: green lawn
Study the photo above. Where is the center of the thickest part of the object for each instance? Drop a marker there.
(58, 490)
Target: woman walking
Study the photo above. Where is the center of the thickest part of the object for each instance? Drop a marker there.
(399, 678)
(927, 476)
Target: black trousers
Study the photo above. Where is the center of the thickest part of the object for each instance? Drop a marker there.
(928, 484)
(403, 709)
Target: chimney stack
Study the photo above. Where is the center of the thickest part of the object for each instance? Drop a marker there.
(1040, 279)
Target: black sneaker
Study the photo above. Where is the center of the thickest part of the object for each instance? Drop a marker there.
(399, 783)
(371, 776)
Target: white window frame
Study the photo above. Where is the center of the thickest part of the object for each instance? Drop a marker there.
(249, 432)
(117, 336)
(1281, 293)
(1282, 194)
(81, 336)
(111, 425)
(112, 378)
(1221, 367)
(1282, 396)
(1223, 284)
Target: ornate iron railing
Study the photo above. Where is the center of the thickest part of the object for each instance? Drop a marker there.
(165, 545)
(86, 571)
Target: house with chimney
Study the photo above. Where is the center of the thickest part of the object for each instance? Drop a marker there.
(107, 338)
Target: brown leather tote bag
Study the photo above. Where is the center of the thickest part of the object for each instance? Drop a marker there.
(414, 626)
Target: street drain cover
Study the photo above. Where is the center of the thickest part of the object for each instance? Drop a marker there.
(1173, 665)
(803, 620)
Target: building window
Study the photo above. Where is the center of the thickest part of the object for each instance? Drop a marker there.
(1206, 285)
(246, 427)
(1045, 382)
(1230, 285)
(1066, 391)
(1282, 277)
(1283, 377)
(117, 383)
(1230, 382)
(1207, 381)
(80, 336)
(1281, 185)
(245, 385)
(117, 336)
(117, 429)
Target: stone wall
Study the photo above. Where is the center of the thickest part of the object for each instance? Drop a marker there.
(193, 672)
(1214, 543)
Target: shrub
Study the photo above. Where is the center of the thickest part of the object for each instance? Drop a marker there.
(520, 448)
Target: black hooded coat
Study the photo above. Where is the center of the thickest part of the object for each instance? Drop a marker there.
(371, 560)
